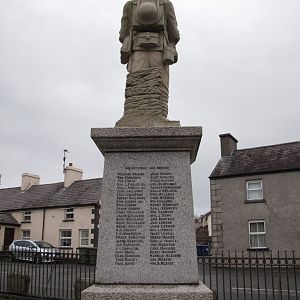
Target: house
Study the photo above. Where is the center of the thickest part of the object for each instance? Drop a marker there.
(255, 198)
(65, 214)
(203, 229)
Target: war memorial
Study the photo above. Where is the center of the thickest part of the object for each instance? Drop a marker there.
(147, 247)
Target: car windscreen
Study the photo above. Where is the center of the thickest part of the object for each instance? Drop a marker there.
(43, 244)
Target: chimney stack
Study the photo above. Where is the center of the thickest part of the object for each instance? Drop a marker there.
(228, 144)
(28, 180)
(72, 174)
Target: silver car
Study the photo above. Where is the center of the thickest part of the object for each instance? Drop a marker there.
(37, 251)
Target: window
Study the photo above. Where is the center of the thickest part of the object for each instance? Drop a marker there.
(19, 244)
(65, 238)
(25, 234)
(257, 234)
(26, 216)
(43, 244)
(69, 214)
(30, 245)
(254, 190)
(84, 237)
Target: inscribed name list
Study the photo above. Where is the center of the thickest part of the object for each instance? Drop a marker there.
(130, 215)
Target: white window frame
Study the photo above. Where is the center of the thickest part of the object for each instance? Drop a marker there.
(27, 216)
(256, 233)
(65, 238)
(81, 238)
(249, 189)
(69, 213)
(25, 237)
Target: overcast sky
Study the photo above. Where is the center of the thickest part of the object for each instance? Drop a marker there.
(60, 75)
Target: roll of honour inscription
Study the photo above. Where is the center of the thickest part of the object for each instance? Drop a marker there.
(162, 204)
(130, 217)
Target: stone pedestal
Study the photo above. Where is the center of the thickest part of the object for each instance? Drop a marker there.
(147, 246)
(148, 292)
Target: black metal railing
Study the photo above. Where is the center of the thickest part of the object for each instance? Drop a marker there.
(62, 274)
(251, 275)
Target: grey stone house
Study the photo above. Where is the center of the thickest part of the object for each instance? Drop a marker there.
(255, 198)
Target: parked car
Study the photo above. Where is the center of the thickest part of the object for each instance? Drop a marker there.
(37, 251)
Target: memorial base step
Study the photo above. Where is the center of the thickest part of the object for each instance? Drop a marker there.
(147, 292)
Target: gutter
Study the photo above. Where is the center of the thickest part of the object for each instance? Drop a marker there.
(213, 177)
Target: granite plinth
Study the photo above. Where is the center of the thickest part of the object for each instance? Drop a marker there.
(146, 233)
(147, 246)
(148, 139)
(147, 292)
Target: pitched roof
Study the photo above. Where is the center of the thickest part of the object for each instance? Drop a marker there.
(268, 159)
(8, 219)
(83, 192)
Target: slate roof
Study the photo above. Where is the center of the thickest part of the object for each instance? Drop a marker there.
(83, 192)
(268, 159)
(7, 219)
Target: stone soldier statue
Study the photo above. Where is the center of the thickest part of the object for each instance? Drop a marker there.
(149, 35)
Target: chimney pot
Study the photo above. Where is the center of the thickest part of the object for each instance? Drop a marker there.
(228, 144)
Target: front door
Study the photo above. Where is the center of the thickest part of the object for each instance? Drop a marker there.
(9, 235)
